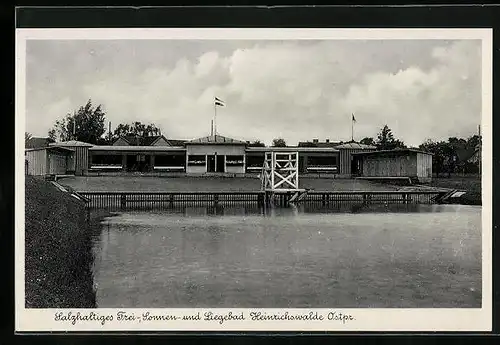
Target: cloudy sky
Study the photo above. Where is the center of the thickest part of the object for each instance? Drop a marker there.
(297, 90)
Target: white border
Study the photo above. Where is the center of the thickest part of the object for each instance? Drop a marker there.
(365, 319)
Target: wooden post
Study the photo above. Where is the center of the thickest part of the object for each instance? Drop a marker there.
(123, 201)
(216, 199)
(260, 200)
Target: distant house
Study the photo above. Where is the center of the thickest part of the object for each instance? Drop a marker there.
(475, 158)
(317, 143)
(37, 142)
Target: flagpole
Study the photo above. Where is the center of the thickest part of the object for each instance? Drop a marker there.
(352, 127)
(215, 118)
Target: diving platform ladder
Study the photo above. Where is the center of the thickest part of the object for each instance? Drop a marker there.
(280, 178)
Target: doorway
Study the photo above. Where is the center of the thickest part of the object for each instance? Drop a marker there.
(138, 163)
(221, 163)
(355, 166)
(210, 163)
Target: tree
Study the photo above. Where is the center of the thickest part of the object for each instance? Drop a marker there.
(473, 141)
(367, 141)
(439, 150)
(52, 134)
(257, 143)
(136, 129)
(279, 142)
(386, 141)
(308, 144)
(85, 124)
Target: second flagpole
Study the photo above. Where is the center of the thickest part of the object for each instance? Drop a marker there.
(352, 127)
(215, 118)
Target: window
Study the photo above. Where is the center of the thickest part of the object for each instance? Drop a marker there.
(255, 161)
(235, 161)
(107, 160)
(196, 160)
(170, 160)
(321, 161)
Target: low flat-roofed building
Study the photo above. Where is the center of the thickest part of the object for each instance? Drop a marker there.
(130, 158)
(348, 166)
(311, 159)
(51, 160)
(398, 163)
(78, 163)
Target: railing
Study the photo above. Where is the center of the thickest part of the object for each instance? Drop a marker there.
(106, 167)
(169, 168)
(317, 169)
(160, 200)
(373, 197)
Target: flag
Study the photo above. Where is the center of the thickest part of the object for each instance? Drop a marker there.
(353, 118)
(219, 102)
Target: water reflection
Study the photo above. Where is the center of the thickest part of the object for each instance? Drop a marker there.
(304, 256)
(296, 210)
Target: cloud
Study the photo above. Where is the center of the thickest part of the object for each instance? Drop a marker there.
(290, 89)
(444, 101)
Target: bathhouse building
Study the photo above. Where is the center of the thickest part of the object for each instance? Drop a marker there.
(348, 165)
(398, 163)
(77, 163)
(222, 155)
(215, 154)
(138, 154)
(49, 160)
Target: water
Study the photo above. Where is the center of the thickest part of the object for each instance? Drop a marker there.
(420, 256)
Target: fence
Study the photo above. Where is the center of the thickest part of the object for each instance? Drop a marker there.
(374, 197)
(161, 200)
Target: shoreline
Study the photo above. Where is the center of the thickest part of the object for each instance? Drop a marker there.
(471, 185)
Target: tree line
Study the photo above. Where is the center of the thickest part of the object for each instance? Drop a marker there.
(87, 124)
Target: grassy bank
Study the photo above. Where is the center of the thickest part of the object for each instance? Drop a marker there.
(58, 252)
(472, 185)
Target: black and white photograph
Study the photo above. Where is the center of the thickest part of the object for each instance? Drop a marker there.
(243, 176)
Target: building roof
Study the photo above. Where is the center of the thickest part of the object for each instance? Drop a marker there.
(135, 140)
(35, 142)
(136, 148)
(71, 143)
(355, 146)
(52, 148)
(176, 142)
(291, 149)
(216, 139)
(401, 151)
